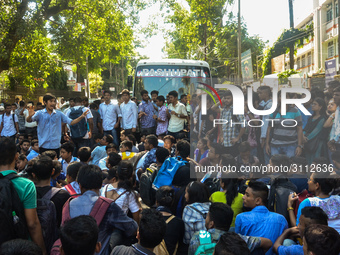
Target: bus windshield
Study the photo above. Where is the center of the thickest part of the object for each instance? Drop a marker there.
(165, 78)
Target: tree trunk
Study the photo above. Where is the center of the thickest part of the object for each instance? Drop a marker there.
(291, 48)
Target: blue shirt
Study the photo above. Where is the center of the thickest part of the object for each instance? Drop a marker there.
(290, 250)
(8, 128)
(260, 222)
(97, 154)
(147, 121)
(32, 155)
(109, 114)
(49, 128)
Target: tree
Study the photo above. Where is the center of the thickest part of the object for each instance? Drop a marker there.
(96, 82)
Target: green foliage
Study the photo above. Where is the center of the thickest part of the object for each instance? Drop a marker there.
(96, 82)
(289, 37)
(283, 76)
(58, 79)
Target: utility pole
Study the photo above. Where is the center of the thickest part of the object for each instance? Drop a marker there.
(291, 48)
(239, 43)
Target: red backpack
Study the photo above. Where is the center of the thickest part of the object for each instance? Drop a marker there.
(71, 191)
(98, 212)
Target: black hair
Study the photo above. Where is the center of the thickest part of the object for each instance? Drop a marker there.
(112, 173)
(132, 138)
(231, 243)
(34, 141)
(222, 215)
(39, 103)
(227, 160)
(143, 92)
(73, 169)
(51, 154)
(7, 105)
(22, 157)
(161, 99)
(219, 148)
(182, 96)
(47, 97)
(71, 99)
(183, 149)
(316, 214)
(181, 136)
(79, 235)
(198, 192)
(107, 92)
(84, 154)
(125, 171)
(321, 239)
(93, 106)
(24, 141)
(20, 247)
(231, 186)
(280, 160)
(57, 167)
(165, 196)
(68, 147)
(85, 99)
(90, 177)
(300, 161)
(170, 137)
(127, 144)
(14, 104)
(205, 142)
(320, 161)
(109, 138)
(152, 228)
(259, 189)
(326, 183)
(78, 100)
(114, 159)
(22, 103)
(153, 140)
(154, 92)
(321, 102)
(173, 93)
(267, 88)
(43, 168)
(244, 147)
(162, 154)
(110, 146)
(97, 136)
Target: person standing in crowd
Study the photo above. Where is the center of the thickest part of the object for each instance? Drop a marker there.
(9, 126)
(49, 124)
(97, 123)
(264, 93)
(111, 116)
(146, 112)
(334, 141)
(79, 140)
(161, 118)
(154, 95)
(177, 114)
(30, 127)
(21, 117)
(231, 134)
(129, 113)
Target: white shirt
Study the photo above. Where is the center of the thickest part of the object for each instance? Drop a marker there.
(109, 113)
(129, 115)
(29, 124)
(88, 116)
(64, 164)
(177, 124)
(8, 125)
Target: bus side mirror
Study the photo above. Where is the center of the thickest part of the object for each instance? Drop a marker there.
(129, 82)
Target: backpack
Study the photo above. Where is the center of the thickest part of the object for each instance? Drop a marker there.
(71, 191)
(147, 192)
(213, 185)
(206, 245)
(48, 217)
(161, 248)
(98, 212)
(167, 171)
(12, 215)
(78, 130)
(278, 196)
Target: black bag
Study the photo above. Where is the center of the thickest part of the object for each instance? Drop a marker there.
(280, 189)
(213, 185)
(48, 218)
(12, 215)
(78, 130)
(147, 191)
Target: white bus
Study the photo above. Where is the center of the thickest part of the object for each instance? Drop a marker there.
(170, 74)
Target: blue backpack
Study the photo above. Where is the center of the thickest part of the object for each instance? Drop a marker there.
(167, 171)
(78, 130)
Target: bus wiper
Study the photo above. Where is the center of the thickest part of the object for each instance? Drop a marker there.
(165, 84)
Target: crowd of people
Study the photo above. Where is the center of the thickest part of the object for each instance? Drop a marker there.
(106, 178)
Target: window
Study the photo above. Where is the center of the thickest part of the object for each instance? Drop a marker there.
(336, 9)
(330, 49)
(298, 63)
(329, 13)
(309, 59)
(303, 61)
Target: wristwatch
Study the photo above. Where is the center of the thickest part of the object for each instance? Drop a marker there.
(178, 115)
(301, 146)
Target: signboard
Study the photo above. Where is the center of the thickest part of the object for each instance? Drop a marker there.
(247, 66)
(278, 64)
(112, 88)
(77, 87)
(71, 82)
(330, 71)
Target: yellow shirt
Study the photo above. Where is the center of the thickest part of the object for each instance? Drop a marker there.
(127, 155)
(236, 205)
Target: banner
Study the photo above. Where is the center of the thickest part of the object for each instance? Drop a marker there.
(247, 66)
(330, 71)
